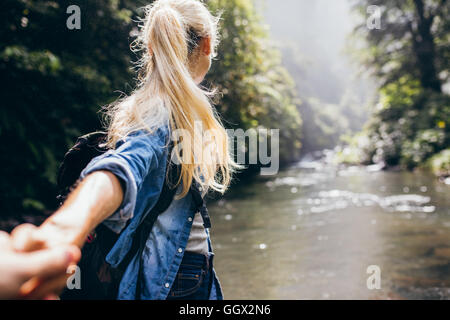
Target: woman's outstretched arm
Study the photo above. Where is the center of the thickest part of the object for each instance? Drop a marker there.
(92, 201)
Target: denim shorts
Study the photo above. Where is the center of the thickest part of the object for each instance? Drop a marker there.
(193, 280)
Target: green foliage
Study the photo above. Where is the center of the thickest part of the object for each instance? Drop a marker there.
(354, 150)
(324, 124)
(413, 40)
(55, 80)
(409, 56)
(425, 144)
(409, 125)
(439, 164)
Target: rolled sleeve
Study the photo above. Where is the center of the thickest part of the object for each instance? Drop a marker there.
(130, 162)
(119, 167)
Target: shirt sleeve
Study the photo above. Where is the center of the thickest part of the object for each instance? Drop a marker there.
(131, 161)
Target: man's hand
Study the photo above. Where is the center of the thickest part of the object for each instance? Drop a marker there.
(58, 231)
(21, 273)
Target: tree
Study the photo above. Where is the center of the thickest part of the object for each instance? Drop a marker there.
(409, 55)
(54, 80)
(413, 41)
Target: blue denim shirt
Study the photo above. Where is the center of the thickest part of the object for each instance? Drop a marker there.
(139, 161)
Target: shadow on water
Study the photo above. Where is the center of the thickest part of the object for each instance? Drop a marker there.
(311, 232)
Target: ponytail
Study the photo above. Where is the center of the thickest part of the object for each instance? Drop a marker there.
(171, 27)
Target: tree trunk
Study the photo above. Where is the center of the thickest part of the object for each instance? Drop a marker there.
(424, 49)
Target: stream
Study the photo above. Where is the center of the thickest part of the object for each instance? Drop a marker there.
(312, 231)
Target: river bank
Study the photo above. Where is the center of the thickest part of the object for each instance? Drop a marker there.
(438, 164)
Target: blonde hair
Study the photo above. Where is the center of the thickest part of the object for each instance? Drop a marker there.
(167, 90)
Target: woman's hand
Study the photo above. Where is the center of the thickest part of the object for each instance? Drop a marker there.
(94, 200)
(17, 269)
(53, 233)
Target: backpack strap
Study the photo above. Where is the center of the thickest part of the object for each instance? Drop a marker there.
(146, 226)
(200, 204)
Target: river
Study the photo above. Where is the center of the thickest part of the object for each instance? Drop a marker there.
(312, 231)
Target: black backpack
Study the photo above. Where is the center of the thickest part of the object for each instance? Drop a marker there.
(99, 280)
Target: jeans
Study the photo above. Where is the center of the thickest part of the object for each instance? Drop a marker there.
(193, 280)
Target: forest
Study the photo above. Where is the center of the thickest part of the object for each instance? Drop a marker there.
(55, 82)
(409, 58)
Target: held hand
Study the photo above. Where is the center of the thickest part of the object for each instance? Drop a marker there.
(94, 200)
(19, 269)
(58, 231)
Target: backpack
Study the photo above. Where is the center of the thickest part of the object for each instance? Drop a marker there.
(99, 280)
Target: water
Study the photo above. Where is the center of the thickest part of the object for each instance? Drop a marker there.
(312, 231)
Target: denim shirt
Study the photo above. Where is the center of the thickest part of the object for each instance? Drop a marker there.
(139, 161)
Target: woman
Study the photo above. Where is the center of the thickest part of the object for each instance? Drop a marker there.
(178, 39)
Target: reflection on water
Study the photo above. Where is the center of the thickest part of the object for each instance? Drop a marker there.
(312, 231)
